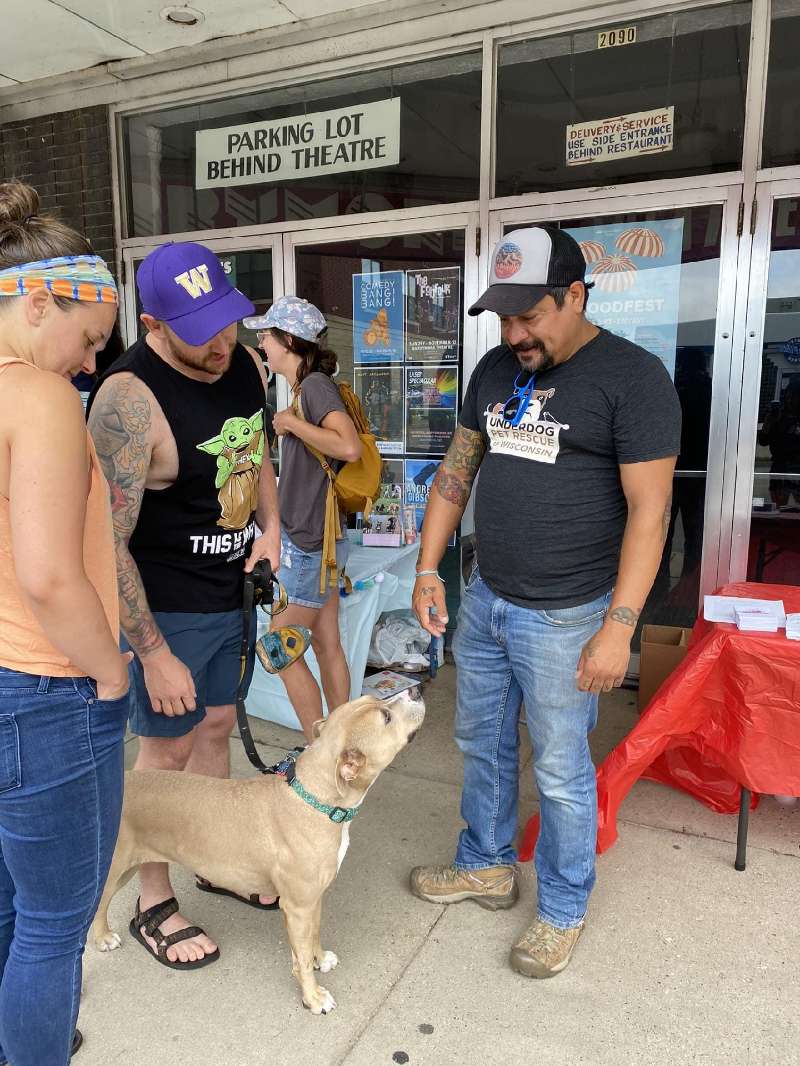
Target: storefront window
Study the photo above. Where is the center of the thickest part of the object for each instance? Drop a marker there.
(394, 307)
(656, 98)
(775, 521)
(374, 141)
(781, 128)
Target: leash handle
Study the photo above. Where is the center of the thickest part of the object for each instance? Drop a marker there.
(262, 572)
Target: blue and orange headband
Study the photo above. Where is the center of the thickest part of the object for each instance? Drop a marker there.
(77, 277)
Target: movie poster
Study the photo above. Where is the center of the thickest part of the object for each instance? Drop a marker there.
(419, 475)
(636, 270)
(378, 317)
(433, 315)
(431, 401)
(380, 389)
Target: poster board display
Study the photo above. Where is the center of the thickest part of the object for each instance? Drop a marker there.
(380, 389)
(433, 315)
(379, 317)
(431, 402)
(636, 271)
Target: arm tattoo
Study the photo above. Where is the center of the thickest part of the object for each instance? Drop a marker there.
(459, 467)
(666, 519)
(626, 615)
(120, 422)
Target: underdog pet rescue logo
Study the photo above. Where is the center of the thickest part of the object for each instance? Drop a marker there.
(537, 436)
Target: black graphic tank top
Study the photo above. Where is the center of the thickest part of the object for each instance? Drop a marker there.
(192, 539)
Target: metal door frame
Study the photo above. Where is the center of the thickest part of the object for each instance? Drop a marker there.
(750, 320)
(716, 529)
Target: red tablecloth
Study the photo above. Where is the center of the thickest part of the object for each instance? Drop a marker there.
(728, 716)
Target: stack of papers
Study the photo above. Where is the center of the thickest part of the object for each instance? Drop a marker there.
(765, 615)
(756, 619)
(793, 626)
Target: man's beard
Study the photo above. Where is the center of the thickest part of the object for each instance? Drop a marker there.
(533, 356)
(208, 363)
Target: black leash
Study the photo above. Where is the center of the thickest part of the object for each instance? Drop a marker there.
(259, 591)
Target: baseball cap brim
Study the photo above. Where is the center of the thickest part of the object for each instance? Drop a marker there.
(198, 327)
(507, 299)
(259, 322)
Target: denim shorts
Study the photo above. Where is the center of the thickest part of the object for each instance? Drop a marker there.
(211, 646)
(299, 572)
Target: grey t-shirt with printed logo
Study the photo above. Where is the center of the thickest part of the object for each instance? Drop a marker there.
(303, 484)
(549, 507)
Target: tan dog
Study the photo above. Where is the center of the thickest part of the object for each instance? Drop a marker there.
(259, 835)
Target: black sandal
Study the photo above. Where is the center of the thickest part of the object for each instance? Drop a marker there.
(251, 901)
(151, 919)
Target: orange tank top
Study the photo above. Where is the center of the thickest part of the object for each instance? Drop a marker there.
(23, 643)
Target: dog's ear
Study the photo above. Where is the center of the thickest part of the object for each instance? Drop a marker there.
(317, 727)
(350, 764)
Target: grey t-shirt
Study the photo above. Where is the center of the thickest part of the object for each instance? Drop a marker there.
(549, 507)
(303, 484)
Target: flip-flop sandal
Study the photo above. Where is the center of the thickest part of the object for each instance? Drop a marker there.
(252, 901)
(151, 919)
(282, 647)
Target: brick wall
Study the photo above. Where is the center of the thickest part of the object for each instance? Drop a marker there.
(67, 159)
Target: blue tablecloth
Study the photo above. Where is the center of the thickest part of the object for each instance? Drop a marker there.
(357, 616)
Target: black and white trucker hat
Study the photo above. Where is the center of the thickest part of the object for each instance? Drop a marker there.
(525, 265)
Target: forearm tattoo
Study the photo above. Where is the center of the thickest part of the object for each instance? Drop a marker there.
(666, 519)
(455, 477)
(626, 615)
(120, 423)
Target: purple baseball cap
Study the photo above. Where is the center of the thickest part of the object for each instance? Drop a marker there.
(184, 285)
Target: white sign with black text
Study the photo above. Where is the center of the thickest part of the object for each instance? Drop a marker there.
(605, 139)
(326, 142)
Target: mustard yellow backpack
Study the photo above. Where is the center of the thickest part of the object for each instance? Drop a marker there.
(355, 486)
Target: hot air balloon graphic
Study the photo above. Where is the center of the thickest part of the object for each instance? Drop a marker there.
(592, 251)
(641, 241)
(614, 273)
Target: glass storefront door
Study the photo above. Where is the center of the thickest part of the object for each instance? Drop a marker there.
(766, 528)
(664, 275)
(394, 298)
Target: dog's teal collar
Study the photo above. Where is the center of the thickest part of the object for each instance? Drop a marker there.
(336, 814)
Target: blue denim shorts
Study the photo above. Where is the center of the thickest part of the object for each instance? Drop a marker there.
(211, 646)
(299, 572)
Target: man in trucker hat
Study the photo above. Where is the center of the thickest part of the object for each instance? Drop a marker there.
(575, 432)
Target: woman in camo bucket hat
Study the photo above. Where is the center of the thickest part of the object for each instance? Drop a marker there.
(291, 335)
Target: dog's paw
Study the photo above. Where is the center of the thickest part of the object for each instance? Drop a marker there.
(108, 941)
(322, 1003)
(326, 962)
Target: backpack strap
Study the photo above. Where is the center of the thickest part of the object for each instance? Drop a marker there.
(329, 571)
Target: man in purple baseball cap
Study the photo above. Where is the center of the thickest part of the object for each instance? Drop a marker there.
(179, 425)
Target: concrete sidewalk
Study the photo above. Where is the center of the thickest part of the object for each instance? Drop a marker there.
(683, 960)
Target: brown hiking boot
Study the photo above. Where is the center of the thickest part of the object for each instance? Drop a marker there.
(544, 950)
(494, 887)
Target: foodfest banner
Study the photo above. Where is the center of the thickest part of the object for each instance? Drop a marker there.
(636, 270)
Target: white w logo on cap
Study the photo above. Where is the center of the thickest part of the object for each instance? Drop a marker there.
(195, 280)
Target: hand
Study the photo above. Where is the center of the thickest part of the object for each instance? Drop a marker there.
(284, 422)
(604, 659)
(169, 682)
(429, 604)
(115, 688)
(267, 546)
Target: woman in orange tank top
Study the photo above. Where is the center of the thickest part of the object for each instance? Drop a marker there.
(63, 681)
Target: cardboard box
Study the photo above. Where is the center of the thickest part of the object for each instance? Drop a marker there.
(663, 648)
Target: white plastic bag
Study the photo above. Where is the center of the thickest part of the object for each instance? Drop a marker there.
(399, 640)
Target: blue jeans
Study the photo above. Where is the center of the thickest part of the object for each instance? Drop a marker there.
(61, 781)
(505, 655)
